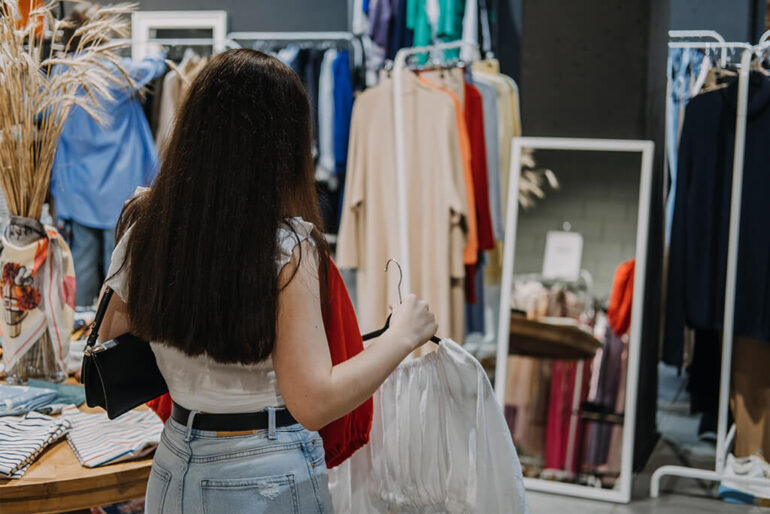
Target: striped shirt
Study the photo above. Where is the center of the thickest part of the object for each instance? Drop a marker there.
(97, 440)
(23, 438)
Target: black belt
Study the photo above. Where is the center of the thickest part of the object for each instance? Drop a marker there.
(232, 422)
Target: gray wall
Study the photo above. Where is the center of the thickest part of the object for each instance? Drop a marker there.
(599, 197)
(736, 20)
(266, 15)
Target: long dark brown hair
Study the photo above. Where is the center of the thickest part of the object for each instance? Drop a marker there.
(201, 251)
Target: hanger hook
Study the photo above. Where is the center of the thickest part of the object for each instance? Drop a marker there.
(400, 276)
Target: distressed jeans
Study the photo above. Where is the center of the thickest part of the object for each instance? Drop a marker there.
(280, 470)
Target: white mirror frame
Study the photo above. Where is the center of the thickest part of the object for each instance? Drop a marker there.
(142, 22)
(646, 148)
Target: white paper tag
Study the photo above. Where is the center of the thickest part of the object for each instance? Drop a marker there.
(563, 255)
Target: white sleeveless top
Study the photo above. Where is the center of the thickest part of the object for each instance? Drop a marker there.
(201, 383)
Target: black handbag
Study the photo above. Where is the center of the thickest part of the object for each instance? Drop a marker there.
(121, 373)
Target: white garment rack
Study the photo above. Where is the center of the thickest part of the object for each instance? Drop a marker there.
(701, 34)
(349, 37)
(399, 63)
(723, 438)
(231, 41)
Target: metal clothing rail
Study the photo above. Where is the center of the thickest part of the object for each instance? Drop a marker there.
(186, 42)
(747, 52)
(352, 39)
(695, 34)
(399, 64)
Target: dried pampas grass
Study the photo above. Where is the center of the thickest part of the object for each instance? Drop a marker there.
(39, 88)
(534, 180)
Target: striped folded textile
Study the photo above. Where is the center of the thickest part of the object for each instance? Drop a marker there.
(97, 440)
(23, 438)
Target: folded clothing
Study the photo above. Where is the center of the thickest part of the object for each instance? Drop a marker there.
(15, 400)
(39, 396)
(97, 440)
(23, 438)
(74, 394)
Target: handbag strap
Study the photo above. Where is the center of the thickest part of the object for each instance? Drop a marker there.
(100, 312)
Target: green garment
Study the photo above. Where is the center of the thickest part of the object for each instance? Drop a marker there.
(449, 26)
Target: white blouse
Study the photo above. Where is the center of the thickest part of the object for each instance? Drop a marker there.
(201, 383)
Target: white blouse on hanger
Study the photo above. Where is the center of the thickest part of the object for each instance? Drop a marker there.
(439, 443)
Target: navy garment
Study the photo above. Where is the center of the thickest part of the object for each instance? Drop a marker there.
(402, 36)
(699, 235)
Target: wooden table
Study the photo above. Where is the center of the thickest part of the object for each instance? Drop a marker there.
(57, 482)
(532, 338)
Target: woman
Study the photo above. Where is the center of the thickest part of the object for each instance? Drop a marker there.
(222, 265)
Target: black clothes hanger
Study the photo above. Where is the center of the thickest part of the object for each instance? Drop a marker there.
(378, 333)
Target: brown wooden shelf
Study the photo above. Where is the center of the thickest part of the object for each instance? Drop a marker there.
(544, 340)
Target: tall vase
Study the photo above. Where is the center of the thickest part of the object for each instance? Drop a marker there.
(36, 316)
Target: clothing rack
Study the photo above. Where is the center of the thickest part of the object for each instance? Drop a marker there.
(231, 41)
(399, 63)
(697, 34)
(723, 437)
(349, 37)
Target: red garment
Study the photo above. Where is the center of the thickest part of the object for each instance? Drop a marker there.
(474, 119)
(162, 406)
(622, 298)
(559, 406)
(563, 377)
(349, 433)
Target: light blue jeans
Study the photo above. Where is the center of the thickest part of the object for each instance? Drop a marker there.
(91, 251)
(279, 470)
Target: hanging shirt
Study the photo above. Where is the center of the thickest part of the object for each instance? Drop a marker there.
(418, 21)
(173, 92)
(699, 234)
(439, 443)
(451, 83)
(343, 109)
(97, 168)
(470, 29)
(450, 24)
(492, 145)
(326, 161)
(380, 22)
(402, 36)
(474, 116)
(437, 205)
(507, 101)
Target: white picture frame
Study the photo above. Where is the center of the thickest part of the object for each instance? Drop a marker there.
(143, 22)
(622, 492)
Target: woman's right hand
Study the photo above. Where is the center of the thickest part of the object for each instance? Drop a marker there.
(413, 322)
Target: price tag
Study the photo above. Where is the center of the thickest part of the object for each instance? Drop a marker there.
(563, 255)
